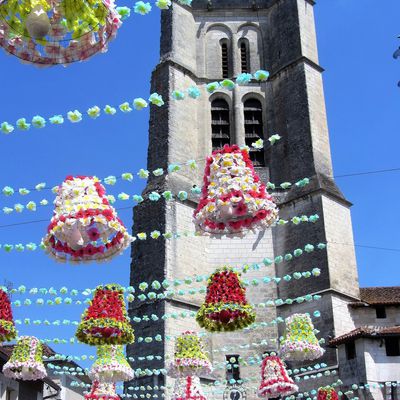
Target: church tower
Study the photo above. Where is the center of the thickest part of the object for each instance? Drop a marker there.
(207, 42)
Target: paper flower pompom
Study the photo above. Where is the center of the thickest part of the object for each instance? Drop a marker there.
(163, 4)
(105, 321)
(193, 92)
(139, 104)
(182, 195)
(156, 99)
(7, 210)
(6, 128)
(154, 196)
(125, 107)
(185, 2)
(158, 172)
(212, 87)
(124, 12)
(74, 116)
(259, 144)
(7, 327)
(143, 173)
(31, 206)
(19, 207)
(228, 84)
(22, 124)
(8, 191)
(26, 362)
(225, 307)
(274, 138)
(142, 8)
(244, 79)
(127, 176)
(109, 110)
(261, 75)
(123, 196)
(94, 112)
(38, 122)
(178, 95)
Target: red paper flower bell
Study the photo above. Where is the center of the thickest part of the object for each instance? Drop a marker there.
(225, 307)
(275, 380)
(327, 393)
(233, 198)
(105, 321)
(102, 391)
(188, 388)
(7, 328)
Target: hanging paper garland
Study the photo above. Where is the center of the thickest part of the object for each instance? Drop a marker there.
(300, 342)
(111, 365)
(105, 321)
(84, 226)
(225, 307)
(26, 360)
(7, 327)
(189, 357)
(233, 198)
(327, 393)
(102, 391)
(46, 32)
(188, 388)
(275, 380)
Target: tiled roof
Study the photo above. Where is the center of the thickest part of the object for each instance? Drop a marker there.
(389, 295)
(366, 332)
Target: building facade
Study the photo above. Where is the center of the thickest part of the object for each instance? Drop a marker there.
(208, 42)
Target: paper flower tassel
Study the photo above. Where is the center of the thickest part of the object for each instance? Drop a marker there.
(102, 391)
(327, 393)
(188, 388)
(46, 32)
(84, 226)
(7, 327)
(225, 307)
(300, 342)
(275, 380)
(26, 360)
(189, 358)
(233, 198)
(105, 321)
(111, 365)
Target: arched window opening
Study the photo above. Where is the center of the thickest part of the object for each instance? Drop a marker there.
(220, 125)
(225, 60)
(253, 127)
(244, 58)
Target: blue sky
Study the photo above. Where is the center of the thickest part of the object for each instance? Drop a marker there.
(356, 42)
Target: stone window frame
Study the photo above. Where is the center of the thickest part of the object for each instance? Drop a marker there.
(244, 41)
(228, 101)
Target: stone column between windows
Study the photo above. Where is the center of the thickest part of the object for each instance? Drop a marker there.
(238, 116)
(235, 56)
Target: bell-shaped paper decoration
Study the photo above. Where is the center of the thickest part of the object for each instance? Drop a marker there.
(105, 321)
(46, 32)
(275, 380)
(111, 365)
(225, 307)
(189, 358)
(327, 393)
(300, 342)
(233, 198)
(188, 388)
(84, 226)
(102, 391)
(7, 327)
(26, 360)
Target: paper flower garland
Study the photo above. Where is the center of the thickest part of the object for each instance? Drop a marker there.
(47, 32)
(300, 342)
(26, 360)
(233, 198)
(7, 328)
(189, 358)
(225, 307)
(105, 321)
(102, 391)
(84, 227)
(275, 380)
(111, 365)
(188, 388)
(327, 393)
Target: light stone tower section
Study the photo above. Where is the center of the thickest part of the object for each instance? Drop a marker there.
(207, 42)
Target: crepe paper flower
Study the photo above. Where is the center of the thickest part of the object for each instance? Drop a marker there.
(109, 110)
(244, 79)
(313, 218)
(298, 252)
(261, 75)
(316, 271)
(309, 248)
(278, 259)
(174, 168)
(124, 13)
(8, 191)
(156, 99)
(55, 189)
(7, 210)
(285, 185)
(168, 235)
(31, 206)
(152, 295)
(321, 246)
(281, 222)
(19, 208)
(111, 199)
(44, 202)
(182, 195)
(194, 92)
(155, 234)
(142, 297)
(178, 95)
(273, 139)
(137, 198)
(154, 196)
(94, 112)
(259, 144)
(228, 84)
(27, 302)
(139, 104)
(267, 262)
(270, 186)
(296, 220)
(6, 128)
(142, 236)
(123, 196)
(38, 122)
(110, 180)
(74, 116)
(143, 173)
(163, 4)
(195, 190)
(127, 176)
(142, 8)
(143, 286)
(22, 125)
(212, 87)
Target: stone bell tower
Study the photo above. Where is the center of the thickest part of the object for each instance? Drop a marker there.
(207, 42)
